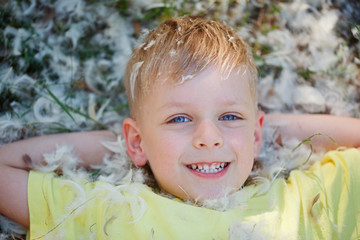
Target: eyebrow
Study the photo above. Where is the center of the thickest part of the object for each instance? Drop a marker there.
(174, 104)
(178, 104)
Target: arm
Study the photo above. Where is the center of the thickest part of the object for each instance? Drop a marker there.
(345, 131)
(14, 171)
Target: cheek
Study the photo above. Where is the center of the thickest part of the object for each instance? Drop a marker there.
(241, 140)
(165, 163)
(164, 151)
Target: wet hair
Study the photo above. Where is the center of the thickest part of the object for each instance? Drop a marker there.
(180, 48)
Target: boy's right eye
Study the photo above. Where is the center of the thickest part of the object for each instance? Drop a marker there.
(179, 119)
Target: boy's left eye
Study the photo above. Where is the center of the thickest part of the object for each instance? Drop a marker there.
(229, 117)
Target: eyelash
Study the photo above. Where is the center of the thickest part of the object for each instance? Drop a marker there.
(183, 119)
(177, 119)
(232, 116)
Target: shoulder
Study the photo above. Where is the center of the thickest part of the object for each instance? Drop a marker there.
(347, 159)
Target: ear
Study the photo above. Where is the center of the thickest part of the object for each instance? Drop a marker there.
(259, 121)
(133, 142)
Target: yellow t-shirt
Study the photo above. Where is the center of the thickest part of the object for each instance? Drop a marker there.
(320, 203)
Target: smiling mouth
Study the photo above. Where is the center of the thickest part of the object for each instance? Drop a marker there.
(208, 168)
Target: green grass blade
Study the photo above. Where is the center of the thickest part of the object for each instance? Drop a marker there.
(87, 117)
(60, 104)
(355, 25)
(308, 141)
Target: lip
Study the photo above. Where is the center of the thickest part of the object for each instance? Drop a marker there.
(210, 175)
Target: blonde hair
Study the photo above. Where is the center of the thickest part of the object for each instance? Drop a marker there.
(180, 48)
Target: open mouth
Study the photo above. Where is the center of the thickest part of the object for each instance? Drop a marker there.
(208, 168)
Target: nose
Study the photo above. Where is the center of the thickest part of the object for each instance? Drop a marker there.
(207, 135)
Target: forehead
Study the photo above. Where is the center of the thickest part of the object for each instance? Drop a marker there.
(212, 76)
(210, 84)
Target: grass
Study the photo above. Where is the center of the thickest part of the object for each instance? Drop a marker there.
(354, 25)
(308, 141)
(60, 104)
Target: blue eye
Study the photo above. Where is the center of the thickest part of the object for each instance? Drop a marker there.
(179, 119)
(229, 117)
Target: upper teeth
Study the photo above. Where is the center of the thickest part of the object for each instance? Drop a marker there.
(206, 168)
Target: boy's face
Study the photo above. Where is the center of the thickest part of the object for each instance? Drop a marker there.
(200, 137)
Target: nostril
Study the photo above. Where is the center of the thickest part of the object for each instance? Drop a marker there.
(216, 144)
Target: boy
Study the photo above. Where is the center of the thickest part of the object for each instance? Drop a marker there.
(191, 87)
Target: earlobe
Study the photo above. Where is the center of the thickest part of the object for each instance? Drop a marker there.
(258, 132)
(133, 142)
